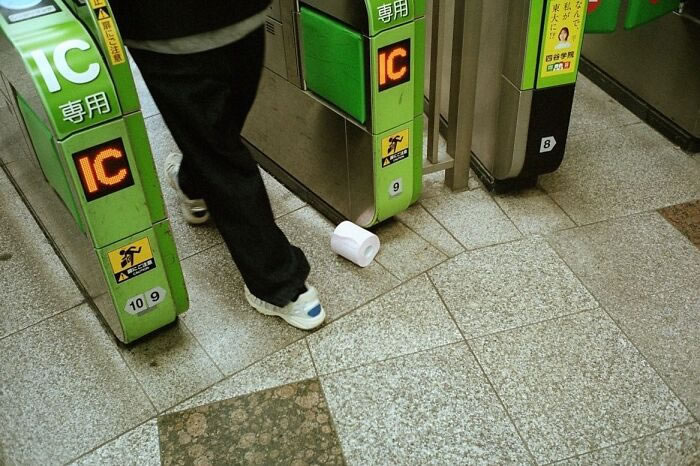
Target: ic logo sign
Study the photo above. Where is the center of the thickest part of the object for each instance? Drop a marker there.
(394, 64)
(103, 169)
(60, 62)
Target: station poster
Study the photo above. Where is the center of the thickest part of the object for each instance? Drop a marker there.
(562, 38)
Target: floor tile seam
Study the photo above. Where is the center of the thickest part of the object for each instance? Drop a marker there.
(228, 376)
(93, 450)
(532, 324)
(206, 249)
(420, 202)
(434, 246)
(646, 359)
(512, 222)
(369, 364)
(445, 230)
(418, 274)
(583, 283)
(277, 219)
(606, 129)
(546, 193)
(481, 368)
(624, 442)
(334, 423)
(45, 318)
(131, 371)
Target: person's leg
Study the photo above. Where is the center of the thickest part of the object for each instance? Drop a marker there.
(204, 99)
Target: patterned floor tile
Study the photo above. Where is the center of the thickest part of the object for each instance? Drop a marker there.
(342, 285)
(621, 171)
(138, 447)
(677, 447)
(629, 258)
(408, 319)
(472, 217)
(403, 252)
(286, 366)
(284, 425)
(232, 333)
(65, 390)
(576, 384)
(509, 285)
(432, 407)
(686, 218)
(171, 366)
(666, 329)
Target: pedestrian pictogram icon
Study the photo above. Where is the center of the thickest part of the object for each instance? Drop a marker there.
(132, 260)
(395, 147)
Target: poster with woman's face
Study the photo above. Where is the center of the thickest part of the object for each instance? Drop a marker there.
(562, 37)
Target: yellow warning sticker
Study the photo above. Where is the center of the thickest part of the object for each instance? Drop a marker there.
(132, 260)
(112, 43)
(98, 4)
(395, 147)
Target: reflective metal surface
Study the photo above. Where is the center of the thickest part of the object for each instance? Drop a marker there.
(351, 12)
(659, 62)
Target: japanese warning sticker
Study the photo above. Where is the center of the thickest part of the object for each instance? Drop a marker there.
(395, 148)
(132, 260)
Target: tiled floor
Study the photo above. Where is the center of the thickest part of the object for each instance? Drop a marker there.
(559, 324)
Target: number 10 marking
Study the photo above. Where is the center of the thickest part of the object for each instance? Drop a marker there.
(143, 302)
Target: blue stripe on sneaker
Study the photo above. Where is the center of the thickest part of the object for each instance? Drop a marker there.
(315, 311)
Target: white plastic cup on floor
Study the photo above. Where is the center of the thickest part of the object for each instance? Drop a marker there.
(355, 243)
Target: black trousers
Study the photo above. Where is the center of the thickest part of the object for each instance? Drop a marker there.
(204, 99)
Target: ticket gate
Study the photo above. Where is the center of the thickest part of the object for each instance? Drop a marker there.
(74, 142)
(603, 14)
(339, 113)
(526, 73)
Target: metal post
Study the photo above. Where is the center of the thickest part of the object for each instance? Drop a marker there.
(465, 59)
(436, 56)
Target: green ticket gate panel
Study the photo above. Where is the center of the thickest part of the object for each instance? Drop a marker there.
(641, 12)
(602, 15)
(527, 70)
(83, 162)
(339, 115)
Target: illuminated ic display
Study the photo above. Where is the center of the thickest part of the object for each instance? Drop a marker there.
(103, 169)
(394, 64)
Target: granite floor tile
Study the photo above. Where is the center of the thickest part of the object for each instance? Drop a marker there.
(419, 220)
(228, 328)
(621, 171)
(289, 365)
(34, 284)
(473, 218)
(686, 218)
(171, 366)
(65, 390)
(576, 384)
(190, 239)
(408, 319)
(533, 212)
(594, 110)
(675, 447)
(403, 252)
(509, 285)
(628, 258)
(666, 329)
(342, 285)
(138, 447)
(284, 425)
(434, 185)
(432, 407)
(148, 106)
(282, 200)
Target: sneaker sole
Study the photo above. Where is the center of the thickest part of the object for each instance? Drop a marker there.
(186, 212)
(303, 324)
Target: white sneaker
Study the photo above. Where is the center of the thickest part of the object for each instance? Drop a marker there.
(194, 210)
(305, 313)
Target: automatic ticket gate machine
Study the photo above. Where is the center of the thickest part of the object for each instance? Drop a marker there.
(339, 112)
(527, 70)
(73, 140)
